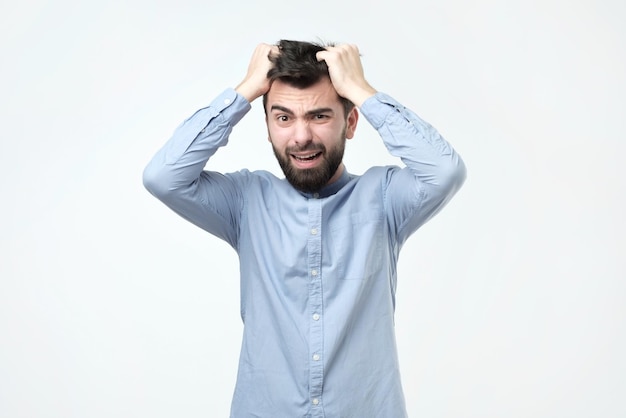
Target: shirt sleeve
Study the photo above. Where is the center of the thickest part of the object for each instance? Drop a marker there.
(176, 174)
(434, 171)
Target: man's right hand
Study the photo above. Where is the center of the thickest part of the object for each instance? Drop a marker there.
(256, 83)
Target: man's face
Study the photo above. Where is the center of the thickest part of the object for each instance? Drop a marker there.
(308, 131)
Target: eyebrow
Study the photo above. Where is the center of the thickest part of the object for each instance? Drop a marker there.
(309, 113)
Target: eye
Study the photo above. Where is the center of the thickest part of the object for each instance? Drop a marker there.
(320, 116)
(282, 118)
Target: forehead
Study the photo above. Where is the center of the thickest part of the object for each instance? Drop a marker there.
(321, 94)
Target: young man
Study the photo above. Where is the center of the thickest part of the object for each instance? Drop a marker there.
(318, 250)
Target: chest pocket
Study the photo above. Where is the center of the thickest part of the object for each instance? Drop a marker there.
(357, 247)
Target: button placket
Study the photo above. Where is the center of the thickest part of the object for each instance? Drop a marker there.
(316, 370)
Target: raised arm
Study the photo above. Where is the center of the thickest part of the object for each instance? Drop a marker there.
(176, 174)
(434, 171)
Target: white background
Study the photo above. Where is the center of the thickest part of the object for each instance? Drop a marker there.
(511, 302)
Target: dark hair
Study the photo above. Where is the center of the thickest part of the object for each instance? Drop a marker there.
(297, 65)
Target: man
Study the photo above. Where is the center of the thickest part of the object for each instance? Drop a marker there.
(318, 250)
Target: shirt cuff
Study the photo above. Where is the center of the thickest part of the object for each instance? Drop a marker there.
(377, 108)
(231, 105)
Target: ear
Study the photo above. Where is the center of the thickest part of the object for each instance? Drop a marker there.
(351, 122)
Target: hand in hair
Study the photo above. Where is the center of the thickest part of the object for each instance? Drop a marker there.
(346, 72)
(256, 83)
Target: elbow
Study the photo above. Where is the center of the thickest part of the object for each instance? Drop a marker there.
(155, 181)
(461, 173)
(455, 174)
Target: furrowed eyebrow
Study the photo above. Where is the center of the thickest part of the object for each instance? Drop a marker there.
(318, 111)
(281, 108)
(309, 113)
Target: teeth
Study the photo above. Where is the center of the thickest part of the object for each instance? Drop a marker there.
(306, 157)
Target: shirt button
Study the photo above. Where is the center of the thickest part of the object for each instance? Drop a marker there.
(313, 272)
(316, 195)
(315, 401)
(316, 317)
(316, 357)
(226, 101)
(314, 231)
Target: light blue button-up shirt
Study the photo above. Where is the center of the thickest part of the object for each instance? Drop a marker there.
(318, 271)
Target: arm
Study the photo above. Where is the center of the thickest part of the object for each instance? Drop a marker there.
(434, 171)
(176, 175)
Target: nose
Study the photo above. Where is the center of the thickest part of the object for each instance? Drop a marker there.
(302, 133)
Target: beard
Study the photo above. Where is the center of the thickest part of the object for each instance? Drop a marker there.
(311, 180)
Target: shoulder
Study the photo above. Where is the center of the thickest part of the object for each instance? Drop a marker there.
(257, 179)
(378, 174)
(371, 184)
(381, 180)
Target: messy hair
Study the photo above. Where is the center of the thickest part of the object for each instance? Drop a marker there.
(296, 64)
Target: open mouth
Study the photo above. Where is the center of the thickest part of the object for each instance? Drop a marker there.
(306, 157)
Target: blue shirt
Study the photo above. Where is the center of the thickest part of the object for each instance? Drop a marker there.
(318, 271)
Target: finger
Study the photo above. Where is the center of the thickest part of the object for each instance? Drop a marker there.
(274, 50)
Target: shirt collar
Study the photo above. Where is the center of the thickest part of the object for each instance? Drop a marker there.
(332, 188)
